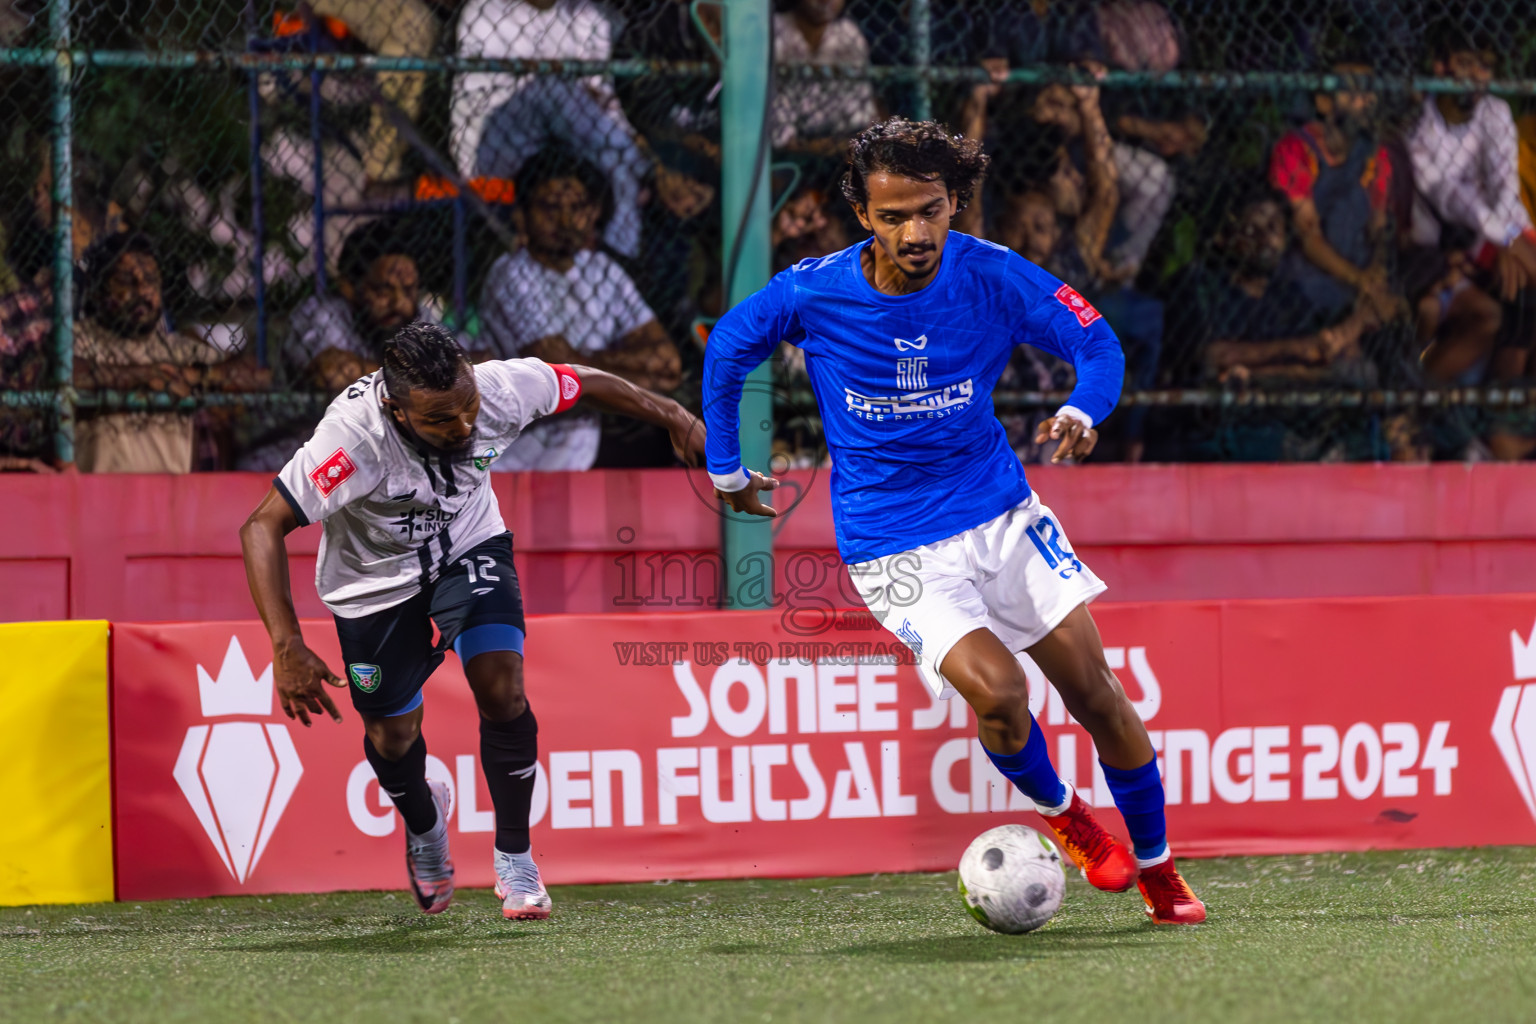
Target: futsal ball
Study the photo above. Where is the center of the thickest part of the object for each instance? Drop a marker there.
(1011, 879)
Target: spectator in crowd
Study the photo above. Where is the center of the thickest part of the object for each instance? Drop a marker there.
(1144, 183)
(1464, 151)
(500, 120)
(816, 116)
(668, 109)
(561, 300)
(1254, 322)
(26, 309)
(1136, 35)
(390, 28)
(1338, 180)
(335, 339)
(681, 244)
(1031, 219)
(1248, 322)
(123, 343)
(807, 225)
(26, 335)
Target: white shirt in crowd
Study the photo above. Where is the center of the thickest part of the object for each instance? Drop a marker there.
(393, 516)
(592, 305)
(810, 108)
(1469, 174)
(569, 30)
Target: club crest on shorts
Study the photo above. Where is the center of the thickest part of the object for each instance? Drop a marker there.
(910, 637)
(1067, 296)
(365, 677)
(484, 460)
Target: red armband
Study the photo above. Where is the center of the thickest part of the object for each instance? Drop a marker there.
(568, 384)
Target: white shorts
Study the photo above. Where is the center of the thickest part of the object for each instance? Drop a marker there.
(1015, 575)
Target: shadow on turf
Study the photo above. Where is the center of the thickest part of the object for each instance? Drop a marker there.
(980, 948)
(407, 940)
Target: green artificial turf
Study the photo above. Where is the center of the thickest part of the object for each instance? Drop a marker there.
(1425, 935)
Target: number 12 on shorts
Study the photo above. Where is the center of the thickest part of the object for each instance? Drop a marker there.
(1047, 538)
(487, 563)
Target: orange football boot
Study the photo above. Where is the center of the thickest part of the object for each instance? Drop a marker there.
(1169, 898)
(1103, 861)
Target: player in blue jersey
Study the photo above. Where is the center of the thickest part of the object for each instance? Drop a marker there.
(905, 335)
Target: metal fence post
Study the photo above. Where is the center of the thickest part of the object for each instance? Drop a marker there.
(746, 547)
(258, 208)
(63, 232)
(922, 56)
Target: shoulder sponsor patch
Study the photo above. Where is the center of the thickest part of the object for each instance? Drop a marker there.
(333, 472)
(570, 386)
(1067, 296)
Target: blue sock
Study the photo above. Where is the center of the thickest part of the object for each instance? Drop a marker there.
(1138, 793)
(1030, 769)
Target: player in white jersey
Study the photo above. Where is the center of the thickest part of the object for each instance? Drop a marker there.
(398, 474)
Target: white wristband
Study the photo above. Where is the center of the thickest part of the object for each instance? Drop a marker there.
(730, 482)
(1072, 412)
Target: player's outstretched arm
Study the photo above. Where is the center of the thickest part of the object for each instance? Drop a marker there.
(299, 672)
(616, 394)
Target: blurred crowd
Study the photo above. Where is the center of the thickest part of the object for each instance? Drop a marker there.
(1246, 240)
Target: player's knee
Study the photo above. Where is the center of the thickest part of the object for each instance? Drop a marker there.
(1101, 700)
(1000, 699)
(393, 737)
(497, 680)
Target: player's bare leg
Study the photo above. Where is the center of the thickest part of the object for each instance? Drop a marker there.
(508, 756)
(398, 754)
(989, 677)
(1072, 657)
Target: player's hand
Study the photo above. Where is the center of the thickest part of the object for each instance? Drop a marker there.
(300, 675)
(1511, 274)
(746, 499)
(687, 433)
(1077, 441)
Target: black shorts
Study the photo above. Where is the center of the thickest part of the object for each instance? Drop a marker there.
(477, 606)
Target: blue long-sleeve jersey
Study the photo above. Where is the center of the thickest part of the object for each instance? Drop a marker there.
(904, 384)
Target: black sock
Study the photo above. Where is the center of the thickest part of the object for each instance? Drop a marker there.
(508, 752)
(405, 781)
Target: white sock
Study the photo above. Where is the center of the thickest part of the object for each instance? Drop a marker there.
(1152, 862)
(1066, 801)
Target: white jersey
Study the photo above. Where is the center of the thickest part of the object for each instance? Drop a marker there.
(393, 516)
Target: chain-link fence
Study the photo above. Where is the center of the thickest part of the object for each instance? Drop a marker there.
(1308, 223)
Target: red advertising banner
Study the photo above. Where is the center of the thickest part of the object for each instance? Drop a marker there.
(732, 744)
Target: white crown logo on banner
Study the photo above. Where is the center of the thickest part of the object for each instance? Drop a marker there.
(1514, 724)
(237, 776)
(236, 691)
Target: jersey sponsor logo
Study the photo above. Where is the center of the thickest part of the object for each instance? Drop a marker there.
(1067, 296)
(483, 461)
(425, 521)
(912, 374)
(916, 345)
(365, 677)
(333, 472)
(932, 403)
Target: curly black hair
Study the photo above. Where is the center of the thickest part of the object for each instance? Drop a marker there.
(423, 357)
(923, 150)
